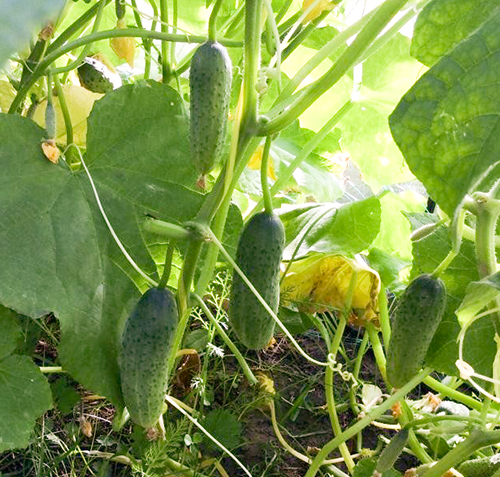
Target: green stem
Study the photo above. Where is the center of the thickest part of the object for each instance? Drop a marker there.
(67, 120)
(166, 229)
(487, 210)
(239, 357)
(86, 48)
(212, 22)
(356, 370)
(268, 200)
(347, 60)
(384, 318)
(76, 26)
(423, 421)
(322, 55)
(330, 403)
(378, 350)
(476, 440)
(103, 35)
(253, 11)
(451, 393)
(168, 265)
(284, 8)
(51, 369)
(165, 66)
(175, 19)
(364, 422)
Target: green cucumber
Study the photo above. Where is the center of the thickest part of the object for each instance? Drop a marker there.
(392, 451)
(414, 324)
(259, 253)
(210, 86)
(146, 343)
(97, 77)
(483, 467)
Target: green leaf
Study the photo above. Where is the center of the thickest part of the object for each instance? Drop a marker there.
(386, 76)
(141, 167)
(366, 467)
(11, 331)
(24, 397)
(21, 20)
(387, 265)
(394, 236)
(329, 228)
(65, 396)
(56, 251)
(479, 345)
(224, 426)
(446, 125)
(443, 24)
(477, 296)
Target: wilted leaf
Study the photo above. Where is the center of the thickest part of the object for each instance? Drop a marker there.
(321, 282)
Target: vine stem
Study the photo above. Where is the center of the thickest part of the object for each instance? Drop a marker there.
(364, 422)
(165, 67)
(329, 384)
(212, 22)
(104, 35)
(261, 300)
(268, 200)
(253, 12)
(239, 357)
(365, 37)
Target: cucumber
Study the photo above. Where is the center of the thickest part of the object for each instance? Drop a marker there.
(210, 86)
(97, 77)
(146, 343)
(484, 467)
(259, 253)
(414, 324)
(392, 451)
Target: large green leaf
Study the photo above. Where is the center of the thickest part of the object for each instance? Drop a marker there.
(447, 124)
(443, 24)
(56, 251)
(21, 20)
(479, 345)
(24, 396)
(330, 228)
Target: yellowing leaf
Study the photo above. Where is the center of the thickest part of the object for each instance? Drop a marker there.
(321, 282)
(256, 160)
(316, 11)
(124, 47)
(80, 102)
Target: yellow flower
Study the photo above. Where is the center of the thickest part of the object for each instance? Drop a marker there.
(124, 47)
(321, 6)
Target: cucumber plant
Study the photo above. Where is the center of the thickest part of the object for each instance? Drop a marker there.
(145, 153)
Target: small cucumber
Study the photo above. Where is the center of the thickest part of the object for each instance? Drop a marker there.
(259, 253)
(210, 85)
(484, 467)
(414, 324)
(392, 451)
(97, 77)
(146, 344)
